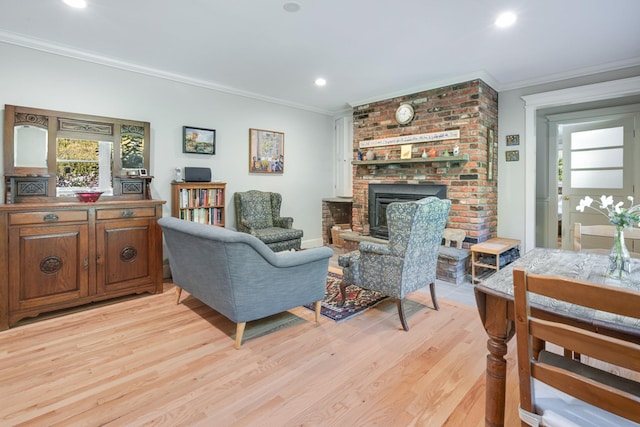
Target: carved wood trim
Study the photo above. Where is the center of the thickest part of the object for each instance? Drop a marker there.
(84, 126)
(32, 120)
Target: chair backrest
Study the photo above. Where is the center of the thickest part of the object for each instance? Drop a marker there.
(257, 209)
(604, 235)
(532, 331)
(416, 223)
(415, 234)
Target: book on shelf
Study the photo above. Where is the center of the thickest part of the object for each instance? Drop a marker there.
(211, 216)
(197, 197)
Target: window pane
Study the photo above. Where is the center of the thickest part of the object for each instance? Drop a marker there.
(611, 158)
(596, 178)
(609, 137)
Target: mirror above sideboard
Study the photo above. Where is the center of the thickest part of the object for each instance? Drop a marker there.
(50, 155)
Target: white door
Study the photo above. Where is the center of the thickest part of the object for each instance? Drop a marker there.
(343, 156)
(598, 159)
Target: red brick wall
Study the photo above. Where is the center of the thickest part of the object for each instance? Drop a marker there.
(470, 107)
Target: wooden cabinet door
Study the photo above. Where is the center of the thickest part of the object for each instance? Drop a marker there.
(47, 265)
(125, 258)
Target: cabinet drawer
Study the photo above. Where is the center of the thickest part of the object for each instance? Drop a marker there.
(126, 213)
(47, 217)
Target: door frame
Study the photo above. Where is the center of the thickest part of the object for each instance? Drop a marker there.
(580, 94)
(577, 118)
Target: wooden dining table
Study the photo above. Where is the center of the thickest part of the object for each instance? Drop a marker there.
(494, 298)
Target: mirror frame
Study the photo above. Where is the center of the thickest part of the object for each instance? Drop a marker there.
(67, 125)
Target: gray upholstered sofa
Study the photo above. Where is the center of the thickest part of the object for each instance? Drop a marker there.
(238, 275)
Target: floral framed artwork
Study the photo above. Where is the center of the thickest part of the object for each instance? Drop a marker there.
(198, 140)
(266, 151)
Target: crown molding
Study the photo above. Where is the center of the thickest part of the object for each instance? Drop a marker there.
(56, 49)
(576, 73)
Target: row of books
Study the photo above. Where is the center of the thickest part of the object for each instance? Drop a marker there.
(211, 216)
(194, 197)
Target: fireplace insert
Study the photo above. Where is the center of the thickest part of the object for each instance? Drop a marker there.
(380, 195)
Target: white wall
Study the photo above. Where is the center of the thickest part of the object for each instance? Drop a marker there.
(36, 79)
(517, 180)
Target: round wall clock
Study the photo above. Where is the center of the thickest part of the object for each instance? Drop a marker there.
(404, 114)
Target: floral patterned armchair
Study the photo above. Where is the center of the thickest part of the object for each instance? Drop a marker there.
(408, 262)
(258, 213)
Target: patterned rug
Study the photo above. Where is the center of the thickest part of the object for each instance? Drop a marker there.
(358, 300)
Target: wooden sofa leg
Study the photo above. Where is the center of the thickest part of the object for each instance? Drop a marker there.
(432, 288)
(178, 293)
(318, 308)
(239, 332)
(403, 319)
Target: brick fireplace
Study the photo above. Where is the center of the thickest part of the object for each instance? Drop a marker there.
(470, 109)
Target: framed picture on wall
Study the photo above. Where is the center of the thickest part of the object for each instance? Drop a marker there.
(512, 155)
(513, 140)
(198, 140)
(266, 151)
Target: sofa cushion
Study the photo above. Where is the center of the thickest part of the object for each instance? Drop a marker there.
(275, 234)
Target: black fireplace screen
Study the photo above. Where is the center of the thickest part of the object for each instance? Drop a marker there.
(380, 195)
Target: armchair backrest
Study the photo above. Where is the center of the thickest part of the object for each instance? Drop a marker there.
(257, 209)
(415, 233)
(416, 224)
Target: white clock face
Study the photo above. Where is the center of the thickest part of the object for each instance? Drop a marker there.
(404, 114)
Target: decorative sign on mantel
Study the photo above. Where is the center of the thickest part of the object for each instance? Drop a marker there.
(412, 139)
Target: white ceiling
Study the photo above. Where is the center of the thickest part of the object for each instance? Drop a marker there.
(366, 49)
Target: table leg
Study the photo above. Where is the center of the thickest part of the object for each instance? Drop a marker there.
(494, 315)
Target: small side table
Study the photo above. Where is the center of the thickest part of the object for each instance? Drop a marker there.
(496, 247)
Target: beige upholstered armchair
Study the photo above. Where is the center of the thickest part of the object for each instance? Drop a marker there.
(258, 213)
(409, 261)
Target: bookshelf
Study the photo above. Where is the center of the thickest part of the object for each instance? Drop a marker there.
(202, 202)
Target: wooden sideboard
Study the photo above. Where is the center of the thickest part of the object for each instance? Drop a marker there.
(60, 255)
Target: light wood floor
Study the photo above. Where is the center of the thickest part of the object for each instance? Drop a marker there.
(147, 361)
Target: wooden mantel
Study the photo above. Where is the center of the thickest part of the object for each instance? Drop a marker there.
(442, 161)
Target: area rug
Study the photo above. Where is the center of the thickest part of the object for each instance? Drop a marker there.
(358, 300)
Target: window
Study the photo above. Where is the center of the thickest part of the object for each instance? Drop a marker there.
(597, 157)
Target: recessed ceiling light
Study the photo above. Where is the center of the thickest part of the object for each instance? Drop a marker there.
(78, 4)
(320, 81)
(291, 6)
(506, 19)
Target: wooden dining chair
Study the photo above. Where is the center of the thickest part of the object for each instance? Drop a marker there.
(557, 390)
(602, 232)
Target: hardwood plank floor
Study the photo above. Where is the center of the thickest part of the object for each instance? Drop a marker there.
(147, 361)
